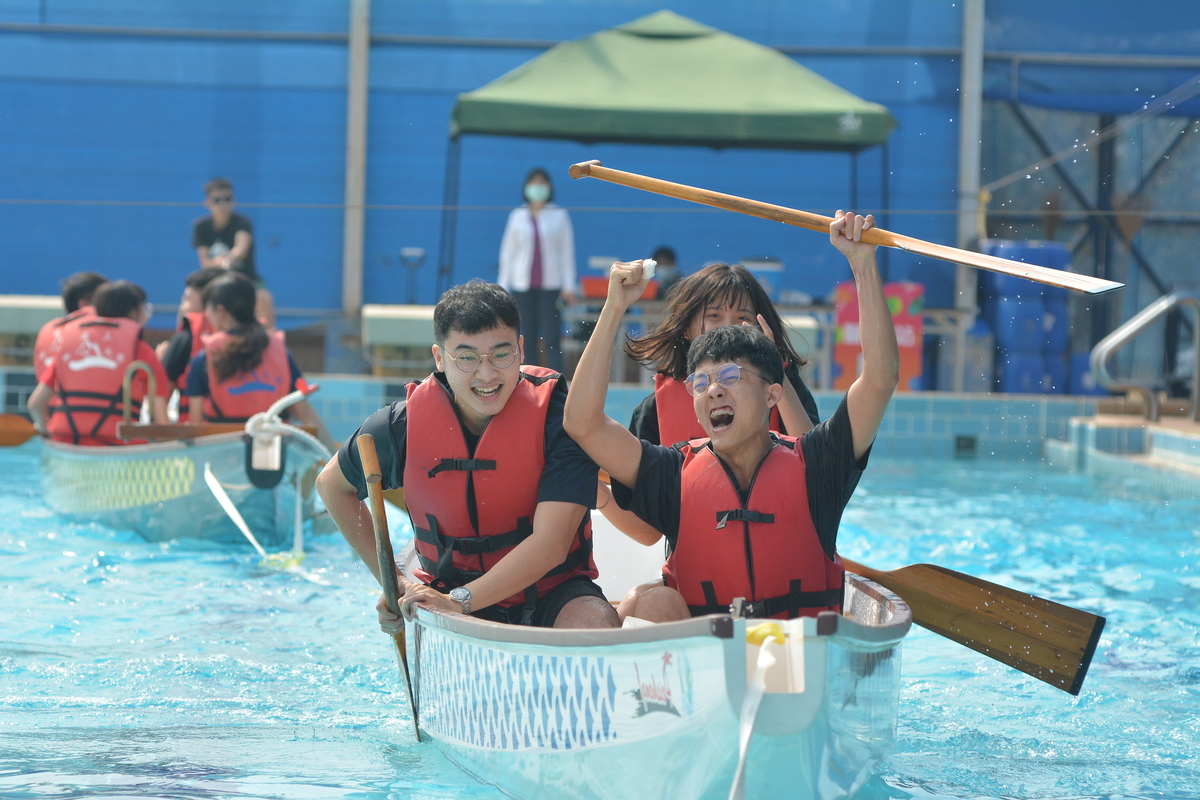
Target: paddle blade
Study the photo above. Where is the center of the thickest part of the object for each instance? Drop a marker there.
(1052, 642)
(15, 430)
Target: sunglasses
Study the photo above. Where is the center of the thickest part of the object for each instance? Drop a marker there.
(726, 375)
(222, 200)
(469, 360)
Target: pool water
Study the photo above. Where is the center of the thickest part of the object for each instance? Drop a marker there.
(183, 670)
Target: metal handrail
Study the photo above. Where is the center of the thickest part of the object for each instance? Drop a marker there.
(1103, 352)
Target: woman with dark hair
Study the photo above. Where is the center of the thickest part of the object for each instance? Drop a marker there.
(537, 265)
(87, 373)
(719, 294)
(243, 368)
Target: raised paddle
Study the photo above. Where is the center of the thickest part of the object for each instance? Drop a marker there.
(804, 219)
(387, 561)
(15, 430)
(1052, 642)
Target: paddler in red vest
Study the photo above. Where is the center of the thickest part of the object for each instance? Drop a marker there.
(747, 513)
(190, 326)
(242, 368)
(88, 373)
(77, 292)
(497, 493)
(718, 295)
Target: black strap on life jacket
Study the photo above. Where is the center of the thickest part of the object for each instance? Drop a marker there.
(111, 407)
(792, 603)
(462, 465)
(446, 576)
(742, 515)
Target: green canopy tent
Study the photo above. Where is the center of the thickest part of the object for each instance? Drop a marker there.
(663, 79)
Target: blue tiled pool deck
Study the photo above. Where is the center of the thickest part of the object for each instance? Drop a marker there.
(1063, 430)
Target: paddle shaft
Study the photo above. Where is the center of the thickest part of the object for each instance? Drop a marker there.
(387, 560)
(15, 430)
(804, 219)
(184, 430)
(1052, 642)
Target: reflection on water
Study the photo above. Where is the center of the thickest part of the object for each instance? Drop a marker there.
(180, 669)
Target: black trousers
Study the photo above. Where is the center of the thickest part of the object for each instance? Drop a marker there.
(541, 321)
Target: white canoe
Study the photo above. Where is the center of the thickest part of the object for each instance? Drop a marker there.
(159, 489)
(654, 711)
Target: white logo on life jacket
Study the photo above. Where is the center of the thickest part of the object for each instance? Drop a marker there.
(90, 355)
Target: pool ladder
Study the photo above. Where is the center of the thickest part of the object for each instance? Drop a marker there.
(1102, 353)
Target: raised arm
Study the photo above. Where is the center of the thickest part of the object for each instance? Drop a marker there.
(868, 396)
(614, 449)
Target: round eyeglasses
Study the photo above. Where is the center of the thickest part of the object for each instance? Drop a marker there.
(469, 360)
(727, 375)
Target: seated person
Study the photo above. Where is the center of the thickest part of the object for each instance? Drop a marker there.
(747, 513)
(717, 295)
(484, 457)
(88, 373)
(77, 292)
(225, 239)
(192, 323)
(242, 369)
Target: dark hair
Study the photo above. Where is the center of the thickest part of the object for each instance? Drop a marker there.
(665, 348)
(248, 339)
(118, 299)
(738, 343)
(473, 307)
(217, 185)
(665, 253)
(79, 288)
(203, 277)
(538, 172)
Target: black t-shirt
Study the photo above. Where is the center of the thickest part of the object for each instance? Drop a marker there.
(644, 423)
(205, 235)
(568, 475)
(832, 473)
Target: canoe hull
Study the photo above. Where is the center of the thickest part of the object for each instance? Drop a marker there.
(158, 489)
(654, 711)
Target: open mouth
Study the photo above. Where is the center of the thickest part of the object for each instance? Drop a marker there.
(721, 419)
(486, 392)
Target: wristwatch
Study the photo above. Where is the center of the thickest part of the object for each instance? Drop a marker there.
(463, 595)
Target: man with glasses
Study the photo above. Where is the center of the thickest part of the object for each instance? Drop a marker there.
(748, 514)
(497, 492)
(225, 239)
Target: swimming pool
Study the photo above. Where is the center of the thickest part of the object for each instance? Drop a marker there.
(130, 669)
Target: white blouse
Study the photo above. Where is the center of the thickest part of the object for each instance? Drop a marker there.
(558, 250)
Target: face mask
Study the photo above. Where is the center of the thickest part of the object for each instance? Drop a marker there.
(537, 192)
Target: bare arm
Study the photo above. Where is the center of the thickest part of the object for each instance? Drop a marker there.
(196, 409)
(868, 396)
(241, 246)
(38, 404)
(554, 526)
(791, 410)
(626, 522)
(158, 412)
(350, 514)
(614, 449)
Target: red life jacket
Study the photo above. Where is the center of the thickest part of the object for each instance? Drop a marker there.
(199, 325)
(50, 337)
(468, 511)
(246, 393)
(89, 372)
(766, 551)
(677, 416)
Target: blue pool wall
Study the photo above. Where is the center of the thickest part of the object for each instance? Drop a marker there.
(917, 424)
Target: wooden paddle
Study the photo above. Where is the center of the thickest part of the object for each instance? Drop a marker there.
(1052, 642)
(387, 561)
(15, 430)
(804, 219)
(184, 430)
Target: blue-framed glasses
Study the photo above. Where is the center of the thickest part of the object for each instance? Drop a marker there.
(726, 375)
(469, 360)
